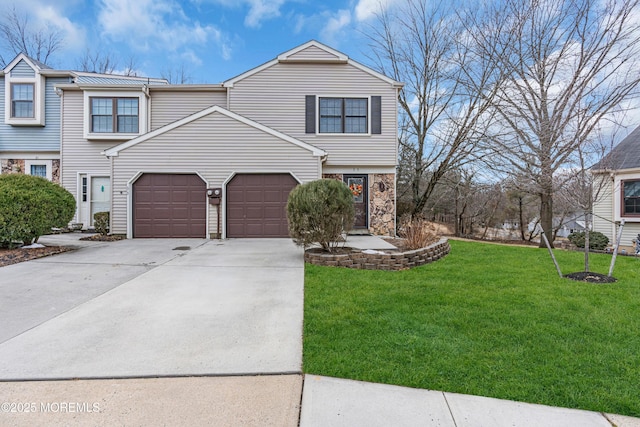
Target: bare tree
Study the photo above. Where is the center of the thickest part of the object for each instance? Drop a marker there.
(178, 75)
(449, 85)
(571, 64)
(19, 36)
(97, 62)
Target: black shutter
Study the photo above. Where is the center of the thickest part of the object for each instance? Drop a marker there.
(310, 114)
(376, 115)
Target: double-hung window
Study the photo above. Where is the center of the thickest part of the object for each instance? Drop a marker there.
(114, 115)
(631, 198)
(22, 100)
(343, 115)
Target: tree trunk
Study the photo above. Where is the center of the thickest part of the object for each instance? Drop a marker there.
(586, 242)
(546, 217)
(521, 219)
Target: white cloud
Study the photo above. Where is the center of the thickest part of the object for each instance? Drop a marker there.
(367, 9)
(150, 24)
(262, 10)
(335, 25)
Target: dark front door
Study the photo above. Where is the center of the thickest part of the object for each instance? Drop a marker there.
(359, 187)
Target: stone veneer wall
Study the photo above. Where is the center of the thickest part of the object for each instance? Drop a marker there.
(379, 261)
(18, 165)
(382, 209)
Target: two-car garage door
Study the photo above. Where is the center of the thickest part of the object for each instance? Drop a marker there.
(174, 205)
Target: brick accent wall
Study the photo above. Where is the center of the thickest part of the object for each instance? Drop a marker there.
(387, 261)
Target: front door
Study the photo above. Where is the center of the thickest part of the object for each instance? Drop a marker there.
(100, 195)
(359, 187)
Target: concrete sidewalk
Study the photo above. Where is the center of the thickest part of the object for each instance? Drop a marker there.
(271, 400)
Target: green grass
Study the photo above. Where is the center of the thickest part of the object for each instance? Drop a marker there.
(486, 320)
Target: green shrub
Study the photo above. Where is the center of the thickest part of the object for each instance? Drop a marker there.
(101, 222)
(320, 212)
(597, 240)
(30, 206)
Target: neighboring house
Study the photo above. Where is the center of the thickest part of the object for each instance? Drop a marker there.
(155, 152)
(563, 226)
(617, 191)
(30, 115)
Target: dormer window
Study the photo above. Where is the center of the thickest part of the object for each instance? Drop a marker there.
(22, 100)
(24, 95)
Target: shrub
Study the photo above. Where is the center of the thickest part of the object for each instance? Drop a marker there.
(417, 232)
(597, 240)
(30, 206)
(101, 222)
(320, 212)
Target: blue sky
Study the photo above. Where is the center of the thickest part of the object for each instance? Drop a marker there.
(213, 40)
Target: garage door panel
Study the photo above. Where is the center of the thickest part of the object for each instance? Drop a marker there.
(169, 205)
(256, 205)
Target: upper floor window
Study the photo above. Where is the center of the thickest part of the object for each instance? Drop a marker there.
(343, 115)
(631, 198)
(114, 115)
(22, 100)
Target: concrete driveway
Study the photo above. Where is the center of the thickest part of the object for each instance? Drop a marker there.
(137, 308)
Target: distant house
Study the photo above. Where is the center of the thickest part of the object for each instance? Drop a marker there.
(30, 126)
(617, 190)
(573, 223)
(219, 160)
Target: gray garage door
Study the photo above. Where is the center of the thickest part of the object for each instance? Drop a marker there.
(256, 205)
(169, 205)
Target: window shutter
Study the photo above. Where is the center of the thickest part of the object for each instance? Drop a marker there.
(310, 115)
(376, 115)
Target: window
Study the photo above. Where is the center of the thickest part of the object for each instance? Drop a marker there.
(22, 100)
(343, 115)
(84, 188)
(631, 198)
(114, 115)
(43, 168)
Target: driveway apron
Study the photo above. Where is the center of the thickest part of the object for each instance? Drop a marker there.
(220, 308)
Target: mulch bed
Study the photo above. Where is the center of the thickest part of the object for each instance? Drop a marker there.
(583, 276)
(14, 256)
(101, 238)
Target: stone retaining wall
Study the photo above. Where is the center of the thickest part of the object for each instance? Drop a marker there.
(380, 261)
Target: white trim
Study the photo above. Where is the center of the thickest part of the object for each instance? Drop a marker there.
(340, 58)
(115, 151)
(48, 164)
(348, 96)
(88, 222)
(29, 156)
(142, 114)
(138, 174)
(355, 170)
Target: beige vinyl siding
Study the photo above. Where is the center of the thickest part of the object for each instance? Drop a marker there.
(79, 155)
(603, 206)
(311, 53)
(169, 106)
(215, 146)
(275, 97)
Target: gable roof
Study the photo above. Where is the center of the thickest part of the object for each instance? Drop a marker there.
(114, 151)
(33, 63)
(625, 155)
(295, 56)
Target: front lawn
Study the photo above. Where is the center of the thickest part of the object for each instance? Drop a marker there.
(487, 320)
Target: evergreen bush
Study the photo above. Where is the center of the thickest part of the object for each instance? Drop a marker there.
(320, 212)
(101, 222)
(29, 207)
(597, 240)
